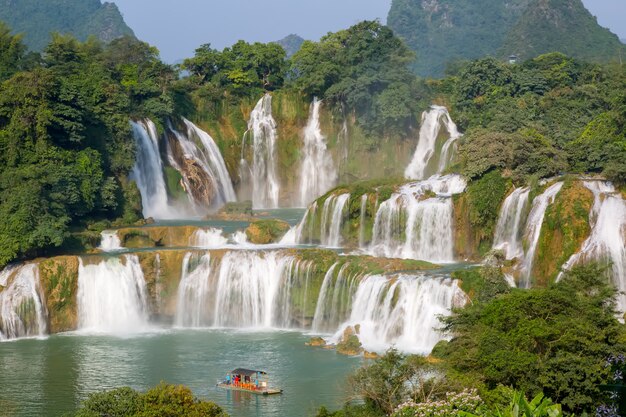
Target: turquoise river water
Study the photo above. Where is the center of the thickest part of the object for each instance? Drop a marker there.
(50, 377)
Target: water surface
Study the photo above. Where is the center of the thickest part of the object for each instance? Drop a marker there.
(50, 377)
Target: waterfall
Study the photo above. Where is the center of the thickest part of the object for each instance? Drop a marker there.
(508, 235)
(208, 238)
(317, 172)
(333, 215)
(265, 185)
(22, 309)
(362, 219)
(424, 159)
(608, 235)
(243, 289)
(533, 230)
(401, 311)
(112, 296)
(239, 238)
(412, 226)
(204, 172)
(334, 300)
(110, 241)
(148, 172)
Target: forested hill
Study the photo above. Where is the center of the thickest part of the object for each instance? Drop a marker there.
(444, 31)
(36, 19)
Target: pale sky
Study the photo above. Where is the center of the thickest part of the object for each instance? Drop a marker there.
(178, 27)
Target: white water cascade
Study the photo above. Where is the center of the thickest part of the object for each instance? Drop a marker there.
(148, 172)
(401, 311)
(333, 214)
(607, 241)
(112, 296)
(412, 225)
(22, 308)
(533, 230)
(335, 299)
(243, 289)
(362, 220)
(425, 158)
(218, 186)
(262, 126)
(317, 171)
(110, 241)
(208, 238)
(331, 222)
(509, 229)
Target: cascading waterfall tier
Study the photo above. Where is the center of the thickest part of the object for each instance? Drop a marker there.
(110, 241)
(148, 172)
(317, 171)
(432, 157)
(262, 127)
(208, 238)
(401, 311)
(533, 230)
(243, 289)
(269, 289)
(330, 223)
(112, 296)
(411, 225)
(607, 241)
(196, 156)
(335, 299)
(509, 229)
(22, 307)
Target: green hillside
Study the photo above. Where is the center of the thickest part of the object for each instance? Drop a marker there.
(564, 26)
(37, 19)
(445, 31)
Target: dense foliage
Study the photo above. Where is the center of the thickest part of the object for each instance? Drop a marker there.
(65, 142)
(163, 400)
(81, 18)
(364, 68)
(550, 115)
(442, 32)
(553, 340)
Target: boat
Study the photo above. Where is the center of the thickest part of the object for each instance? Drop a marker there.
(248, 380)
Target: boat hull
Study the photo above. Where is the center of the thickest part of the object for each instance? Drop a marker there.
(266, 391)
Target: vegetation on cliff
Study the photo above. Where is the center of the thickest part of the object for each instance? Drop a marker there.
(65, 139)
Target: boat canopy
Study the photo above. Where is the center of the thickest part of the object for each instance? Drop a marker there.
(246, 372)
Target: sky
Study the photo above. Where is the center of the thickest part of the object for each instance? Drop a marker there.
(178, 27)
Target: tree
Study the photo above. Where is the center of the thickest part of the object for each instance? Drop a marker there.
(243, 69)
(395, 378)
(364, 68)
(552, 340)
(164, 400)
(12, 52)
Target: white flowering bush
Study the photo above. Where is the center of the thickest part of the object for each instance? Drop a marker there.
(454, 405)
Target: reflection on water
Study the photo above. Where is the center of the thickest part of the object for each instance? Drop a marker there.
(50, 377)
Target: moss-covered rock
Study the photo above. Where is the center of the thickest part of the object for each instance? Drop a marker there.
(476, 215)
(267, 231)
(59, 281)
(156, 236)
(350, 344)
(565, 228)
(316, 342)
